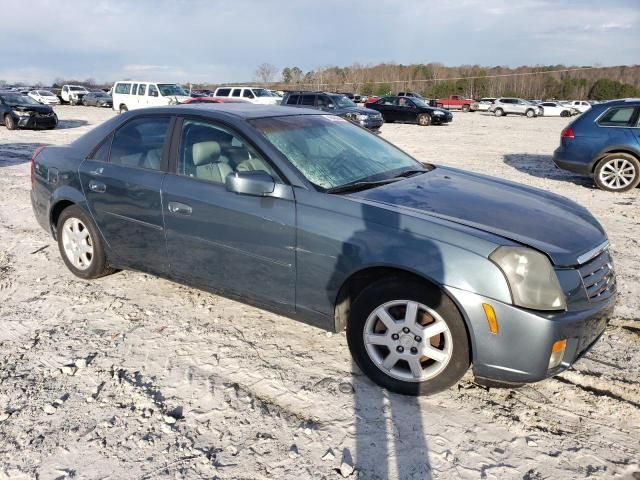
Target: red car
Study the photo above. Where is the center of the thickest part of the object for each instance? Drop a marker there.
(214, 100)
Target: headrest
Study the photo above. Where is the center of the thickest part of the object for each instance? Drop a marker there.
(205, 152)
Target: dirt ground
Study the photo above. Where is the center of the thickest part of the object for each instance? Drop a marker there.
(132, 376)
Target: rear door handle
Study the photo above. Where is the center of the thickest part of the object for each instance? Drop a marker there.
(97, 187)
(180, 208)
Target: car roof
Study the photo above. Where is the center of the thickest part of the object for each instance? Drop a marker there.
(622, 101)
(246, 111)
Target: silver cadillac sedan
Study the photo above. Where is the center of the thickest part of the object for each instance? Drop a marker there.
(429, 269)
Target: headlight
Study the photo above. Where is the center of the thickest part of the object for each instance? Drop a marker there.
(21, 114)
(531, 278)
(438, 112)
(362, 118)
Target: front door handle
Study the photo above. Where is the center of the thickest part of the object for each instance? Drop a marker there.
(97, 187)
(180, 208)
(97, 171)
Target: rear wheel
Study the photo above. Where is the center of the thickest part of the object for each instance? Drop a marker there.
(466, 108)
(424, 119)
(9, 122)
(617, 172)
(564, 113)
(498, 112)
(80, 244)
(408, 337)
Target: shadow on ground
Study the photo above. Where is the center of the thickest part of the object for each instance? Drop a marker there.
(17, 153)
(66, 124)
(542, 166)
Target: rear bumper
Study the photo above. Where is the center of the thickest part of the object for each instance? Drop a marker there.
(40, 211)
(520, 351)
(562, 160)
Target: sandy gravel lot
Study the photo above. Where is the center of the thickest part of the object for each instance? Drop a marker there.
(132, 376)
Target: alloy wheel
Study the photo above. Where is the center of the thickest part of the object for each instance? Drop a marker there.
(617, 173)
(408, 340)
(77, 243)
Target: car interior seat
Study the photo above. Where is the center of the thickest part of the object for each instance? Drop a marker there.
(208, 163)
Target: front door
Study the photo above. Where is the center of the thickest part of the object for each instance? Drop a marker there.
(238, 244)
(122, 183)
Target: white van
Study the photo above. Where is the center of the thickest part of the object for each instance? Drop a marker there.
(130, 94)
(257, 95)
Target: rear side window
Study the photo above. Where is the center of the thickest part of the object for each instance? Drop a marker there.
(123, 88)
(308, 100)
(236, 92)
(617, 117)
(293, 99)
(139, 143)
(142, 89)
(223, 92)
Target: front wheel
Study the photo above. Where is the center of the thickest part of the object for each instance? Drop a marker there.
(424, 119)
(123, 109)
(408, 337)
(617, 172)
(9, 122)
(80, 244)
(530, 113)
(564, 113)
(498, 112)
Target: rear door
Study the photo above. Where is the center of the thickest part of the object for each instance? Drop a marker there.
(239, 244)
(122, 181)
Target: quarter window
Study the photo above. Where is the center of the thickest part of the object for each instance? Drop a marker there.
(139, 143)
(617, 117)
(211, 152)
(308, 100)
(101, 153)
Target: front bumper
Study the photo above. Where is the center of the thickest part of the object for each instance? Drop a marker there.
(560, 158)
(37, 121)
(520, 351)
(440, 119)
(372, 123)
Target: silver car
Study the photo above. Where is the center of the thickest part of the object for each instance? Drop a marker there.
(514, 106)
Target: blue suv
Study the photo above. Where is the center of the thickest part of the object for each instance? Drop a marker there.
(604, 142)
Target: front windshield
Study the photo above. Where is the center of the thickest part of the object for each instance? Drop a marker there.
(261, 92)
(330, 151)
(45, 93)
(171, 89)
(419, 102)
(18, 100)
(342, 102)
(77, 89)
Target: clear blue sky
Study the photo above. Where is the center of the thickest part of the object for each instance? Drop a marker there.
(223, 41)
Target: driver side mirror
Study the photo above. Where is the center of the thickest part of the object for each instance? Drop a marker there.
(255, 182)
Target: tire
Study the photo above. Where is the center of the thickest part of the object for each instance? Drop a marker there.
(424, 119)
(389, 121)
(498, 112)
(76, 230)
(564, 113)
(9, 122)
(530, 113)
(433, 308)
(123, 108)
(617, 172)
(466, 108)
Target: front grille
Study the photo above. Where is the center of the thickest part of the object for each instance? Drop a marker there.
(598, 277)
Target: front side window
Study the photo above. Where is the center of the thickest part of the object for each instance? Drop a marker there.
(153, 91)
(211, 152)
(139, 143)
(330, 151)
(123, 88)
(142, 89)
(247, 94)
(617, 117)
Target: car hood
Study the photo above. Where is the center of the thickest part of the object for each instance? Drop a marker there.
(547, 222)
(356, 110)
(32, 108)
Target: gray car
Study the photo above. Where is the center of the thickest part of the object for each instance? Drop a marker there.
(430, 269)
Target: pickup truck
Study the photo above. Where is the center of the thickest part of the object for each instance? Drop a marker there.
(72, 94)
(456, 102)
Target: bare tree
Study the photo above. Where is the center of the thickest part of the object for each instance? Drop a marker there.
(265, 73)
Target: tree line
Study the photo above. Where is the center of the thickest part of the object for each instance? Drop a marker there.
(434, 80)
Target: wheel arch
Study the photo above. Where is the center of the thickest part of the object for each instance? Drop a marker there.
(617, 149)
(60, 202)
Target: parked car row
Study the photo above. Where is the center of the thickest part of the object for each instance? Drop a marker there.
(22, 111)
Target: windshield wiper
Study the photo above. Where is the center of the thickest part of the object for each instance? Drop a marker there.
(410, 173)
(358, 186)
